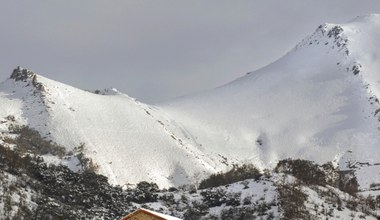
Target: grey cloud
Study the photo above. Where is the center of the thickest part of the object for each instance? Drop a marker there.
(156, 50)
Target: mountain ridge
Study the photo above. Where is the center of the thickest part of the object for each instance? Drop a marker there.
(326, 69)
(59, 115)
(317, 102)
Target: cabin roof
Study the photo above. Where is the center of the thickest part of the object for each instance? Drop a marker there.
(151, 213)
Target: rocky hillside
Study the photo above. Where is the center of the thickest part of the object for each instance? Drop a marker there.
(33, 189)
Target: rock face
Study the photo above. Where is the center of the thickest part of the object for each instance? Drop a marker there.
(21, 74)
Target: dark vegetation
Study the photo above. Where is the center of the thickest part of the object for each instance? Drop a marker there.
(232, 207)
(60, 193)
(313, 174)
(219, 197)
(236, 208)
(145, 192)
(30, 141)
(307, 173)
(238, 173)
(292, 201)
(63, 194)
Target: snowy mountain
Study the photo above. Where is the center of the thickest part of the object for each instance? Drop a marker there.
(318, 102)
(127, 139)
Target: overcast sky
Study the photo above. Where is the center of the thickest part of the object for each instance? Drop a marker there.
(156, 50)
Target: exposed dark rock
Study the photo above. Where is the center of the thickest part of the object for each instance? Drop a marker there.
(356, 69)
(20, 74)
(335, 31)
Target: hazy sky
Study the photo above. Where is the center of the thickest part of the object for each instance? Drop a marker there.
(159, 49)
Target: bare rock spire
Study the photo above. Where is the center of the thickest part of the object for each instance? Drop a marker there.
(21, 74)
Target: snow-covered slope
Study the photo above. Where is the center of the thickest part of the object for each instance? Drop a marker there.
(127, 139)
(317, 102)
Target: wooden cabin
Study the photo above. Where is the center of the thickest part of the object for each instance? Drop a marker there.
(145, 214)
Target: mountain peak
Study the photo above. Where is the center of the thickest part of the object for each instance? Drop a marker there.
(338, 36)
(25, 75)
(327, 35)
(21, 74)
